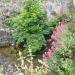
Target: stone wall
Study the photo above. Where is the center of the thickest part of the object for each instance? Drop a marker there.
(6, 8)
(54, 7)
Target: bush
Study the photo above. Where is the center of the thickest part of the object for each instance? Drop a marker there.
(32, 25)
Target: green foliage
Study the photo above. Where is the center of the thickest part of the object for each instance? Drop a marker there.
(61, 63)
(67, 12)
(31, 24)
(68, 37)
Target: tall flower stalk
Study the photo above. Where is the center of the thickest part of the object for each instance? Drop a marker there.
(55, 44)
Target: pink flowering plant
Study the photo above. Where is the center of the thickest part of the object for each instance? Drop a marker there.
(59, 62)
(58, 56)
(55, 44)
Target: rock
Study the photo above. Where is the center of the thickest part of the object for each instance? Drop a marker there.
(6, 8)
(74, 3)
(18, 74)
(5, 59)
(6, 38)
(54, 8)
(9, 6)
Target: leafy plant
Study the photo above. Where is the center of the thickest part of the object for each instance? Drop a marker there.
(32, 24)
(61, 63)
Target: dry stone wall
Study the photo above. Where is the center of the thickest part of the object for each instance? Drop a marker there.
(6, 8)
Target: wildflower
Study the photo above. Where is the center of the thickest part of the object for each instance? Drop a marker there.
(62, 26)
(58, 28)
(50, 53)
(45, 58)
(56, 44)
(55, 36)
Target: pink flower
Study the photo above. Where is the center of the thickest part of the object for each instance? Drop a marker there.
(62, 26)
(59, 29)
(55, 36)
(50, 53)
(56, 44)
(45, 58)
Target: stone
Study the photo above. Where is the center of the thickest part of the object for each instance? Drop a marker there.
(74, 3)
(54, 7)
(18, 73)
(6, 8)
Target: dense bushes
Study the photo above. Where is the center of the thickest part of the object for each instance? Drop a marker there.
(32, 25)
